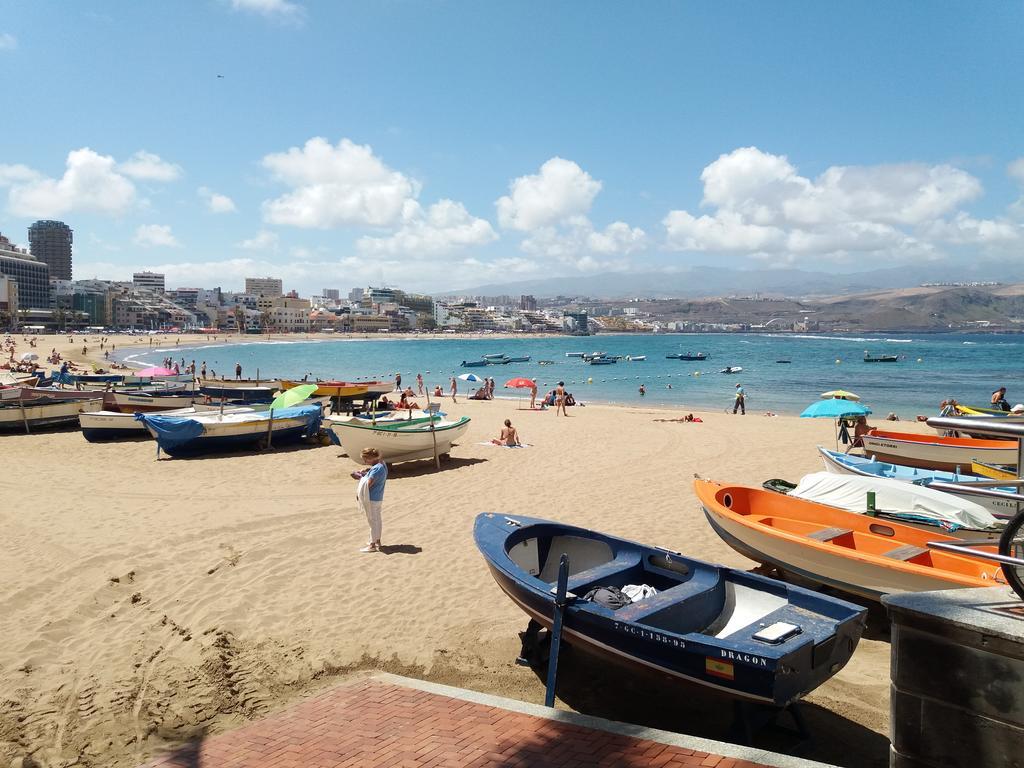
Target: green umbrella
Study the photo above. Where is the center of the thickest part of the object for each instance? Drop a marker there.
(292, 396)
(287, 399)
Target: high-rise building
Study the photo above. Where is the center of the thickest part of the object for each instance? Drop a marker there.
(150, 281)
(32, 276)
(527, 303)
(332, 293)
(264, 286)
(356, 295)
(50, 243)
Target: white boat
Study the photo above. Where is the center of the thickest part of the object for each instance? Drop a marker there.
(636, 358)
(131, 402)
(213, 431)
(574, 354)
(914, 505)
(111, 425)
(16, 414)
(397, 442)
(864, 466)
(932, 452)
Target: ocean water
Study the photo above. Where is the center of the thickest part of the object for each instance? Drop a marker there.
(931, 369)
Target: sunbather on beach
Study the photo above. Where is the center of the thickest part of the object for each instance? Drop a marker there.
(508, 437)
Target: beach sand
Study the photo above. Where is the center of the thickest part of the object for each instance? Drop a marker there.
(145, 602)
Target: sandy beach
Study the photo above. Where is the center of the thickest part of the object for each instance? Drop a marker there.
(149, 602)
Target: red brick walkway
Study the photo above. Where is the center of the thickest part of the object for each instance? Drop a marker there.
(374, 723)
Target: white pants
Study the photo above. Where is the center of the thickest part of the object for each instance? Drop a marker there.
(372, 509)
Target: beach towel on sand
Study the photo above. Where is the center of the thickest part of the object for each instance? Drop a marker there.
(493, 445)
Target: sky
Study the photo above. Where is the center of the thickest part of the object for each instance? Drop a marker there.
(443, 145)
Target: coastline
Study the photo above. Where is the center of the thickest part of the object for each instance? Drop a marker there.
(216, 590)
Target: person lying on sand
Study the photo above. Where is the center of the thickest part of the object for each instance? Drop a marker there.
(686, 418)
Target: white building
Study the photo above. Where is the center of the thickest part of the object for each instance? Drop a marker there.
(150, 281)
(264, 286)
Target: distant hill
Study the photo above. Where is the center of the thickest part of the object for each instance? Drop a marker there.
(713, 281)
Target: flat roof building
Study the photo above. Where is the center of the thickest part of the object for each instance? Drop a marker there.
(50, 244)
(264, 286)
(151, 281)
(32, 276)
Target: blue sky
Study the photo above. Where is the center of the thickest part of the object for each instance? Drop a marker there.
(449, 144)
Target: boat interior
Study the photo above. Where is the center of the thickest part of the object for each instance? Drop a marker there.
(851, 532)
(691, 598)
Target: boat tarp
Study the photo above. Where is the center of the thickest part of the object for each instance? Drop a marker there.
(893, 497)
(172, 431)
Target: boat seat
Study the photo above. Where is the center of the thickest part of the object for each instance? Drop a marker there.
(905, 552)
(827, 534)
(624, 561)
(702, 582)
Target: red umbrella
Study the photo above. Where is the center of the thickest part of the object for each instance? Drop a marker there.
(520, 382)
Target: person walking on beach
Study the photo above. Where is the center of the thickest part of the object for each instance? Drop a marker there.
(238, 371)
(533, 395)
(454, 388)
(419, 382)
(370, 494)
(560, 399)
(643, 390)
(741, 401)
(398, 382)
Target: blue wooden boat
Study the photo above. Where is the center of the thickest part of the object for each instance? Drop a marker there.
(214, 432)
(523, 359)
(865, 466)
(474, 363)
(687, 356)
(726, 630)
(239, 394)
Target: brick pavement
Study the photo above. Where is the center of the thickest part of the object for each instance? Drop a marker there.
(372, 722)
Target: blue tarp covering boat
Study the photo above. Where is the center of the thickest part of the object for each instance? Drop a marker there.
(726, 630)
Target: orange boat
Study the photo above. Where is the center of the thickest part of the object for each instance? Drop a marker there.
(855, 553)
(331, 388)
(952, 454)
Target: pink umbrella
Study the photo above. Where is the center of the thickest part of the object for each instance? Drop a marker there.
(156, 370)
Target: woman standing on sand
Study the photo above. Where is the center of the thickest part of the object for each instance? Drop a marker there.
(560, 399)
(454, 388)
(419, 382)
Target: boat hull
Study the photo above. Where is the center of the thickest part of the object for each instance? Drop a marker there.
(948, 454)
(768, 537)
(13, 418)
(341, 389)
(773, 675)
(133, 403)
(397, 445)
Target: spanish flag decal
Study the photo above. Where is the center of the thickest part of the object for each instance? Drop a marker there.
(718, 668)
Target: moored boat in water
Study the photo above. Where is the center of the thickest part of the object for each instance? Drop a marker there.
(721, 629)
(857, 554)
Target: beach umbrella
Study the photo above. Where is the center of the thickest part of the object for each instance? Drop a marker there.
(469, 377)
(29, 356)
(840, 394)
(520, 382)
(292, 396)
(835, 408)
(155, 370)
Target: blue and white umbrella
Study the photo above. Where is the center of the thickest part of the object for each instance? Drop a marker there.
(469, 377)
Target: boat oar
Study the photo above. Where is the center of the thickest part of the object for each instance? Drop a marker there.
(556, 629)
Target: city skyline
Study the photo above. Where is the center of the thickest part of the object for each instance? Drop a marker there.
(444, 147)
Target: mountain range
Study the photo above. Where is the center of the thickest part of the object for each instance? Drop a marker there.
(698, 281)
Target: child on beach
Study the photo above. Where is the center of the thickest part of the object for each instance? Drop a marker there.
(370, 495)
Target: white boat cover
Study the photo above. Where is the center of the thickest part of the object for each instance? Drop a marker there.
(893, 497)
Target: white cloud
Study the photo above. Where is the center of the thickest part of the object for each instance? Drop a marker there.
(147, 166)
(764, 207)
(1016, 169)
(576, 242)
(444, 227)
(155, 236)
(215, 202)
(261, 241)
(336, 186)
(8, 42)
(90, 183)
(561, 190)
(280, 9)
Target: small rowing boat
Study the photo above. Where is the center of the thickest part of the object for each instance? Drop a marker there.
(721, 629)
(687, 356)
(880, 358)
(398, 440)
(952, 454)
(857, 554)
(31, 413)
(343, 389)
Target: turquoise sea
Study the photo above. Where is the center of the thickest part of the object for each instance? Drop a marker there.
(932, 367)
